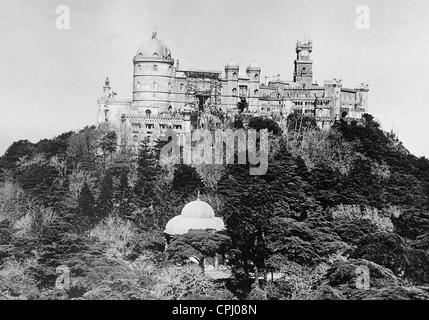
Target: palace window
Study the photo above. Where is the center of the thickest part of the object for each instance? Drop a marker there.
(243, 90)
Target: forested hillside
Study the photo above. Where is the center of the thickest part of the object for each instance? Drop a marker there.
(330, 203)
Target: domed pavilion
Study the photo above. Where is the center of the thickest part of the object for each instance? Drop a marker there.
(196, 215)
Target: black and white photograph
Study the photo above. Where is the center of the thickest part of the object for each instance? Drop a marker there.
(215, 154)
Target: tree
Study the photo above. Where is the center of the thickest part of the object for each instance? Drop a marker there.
(105, 198)
(298, 122)
(42, 180)
(54, 147)
(199, 244)
(242, 105)
(124, 196)
(259, 123)
(247, 217)
(147, 173)
(82, 149)
(108, 144)
(186, 181)
(87, 205)
(18, 150)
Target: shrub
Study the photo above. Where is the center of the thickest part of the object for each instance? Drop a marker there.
(116, 233)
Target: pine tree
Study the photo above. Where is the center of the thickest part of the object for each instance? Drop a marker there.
(87, 204)
(105, 198)
(186, 181)
(147, 171)
(124, 196)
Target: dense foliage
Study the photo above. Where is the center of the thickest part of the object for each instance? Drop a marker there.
(332, 202)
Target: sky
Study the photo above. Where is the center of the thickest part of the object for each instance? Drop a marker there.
(50, 79)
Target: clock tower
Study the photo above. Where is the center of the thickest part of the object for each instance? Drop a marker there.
(303, 72)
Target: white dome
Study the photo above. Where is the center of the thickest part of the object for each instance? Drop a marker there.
(197, 215)
(254, 65)
(232, 64)
(198, 209)
(181, 225)
(154, 48)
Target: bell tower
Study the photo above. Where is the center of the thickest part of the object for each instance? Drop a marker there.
(303, 72)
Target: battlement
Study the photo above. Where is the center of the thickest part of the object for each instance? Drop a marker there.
(334, 82)
(307, 44)
(363, 87)
(151, 119)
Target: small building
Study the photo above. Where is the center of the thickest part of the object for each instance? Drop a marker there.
(199, 215)
(196, 215)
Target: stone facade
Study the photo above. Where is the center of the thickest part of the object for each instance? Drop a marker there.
(165, 95)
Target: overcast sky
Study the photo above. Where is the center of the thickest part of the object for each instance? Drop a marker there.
(50, 79)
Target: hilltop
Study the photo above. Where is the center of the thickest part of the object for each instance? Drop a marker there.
(331, 203)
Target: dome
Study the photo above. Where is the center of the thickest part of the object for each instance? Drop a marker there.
(232, 64)
(197, 215)
(154, 48)
(253, 65)
(198, 209)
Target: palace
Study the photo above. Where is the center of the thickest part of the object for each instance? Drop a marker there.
(164, 95)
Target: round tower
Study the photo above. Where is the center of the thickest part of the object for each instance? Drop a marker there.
(153, 70)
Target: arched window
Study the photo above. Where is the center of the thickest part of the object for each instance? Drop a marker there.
(155, 67)
(256, 92)
(256, 76)
(154, 85)
(148, 112)
(135, 138)
(234, 91)
(234, 75)
(139, 67)
(155, 54)
(182, 87)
